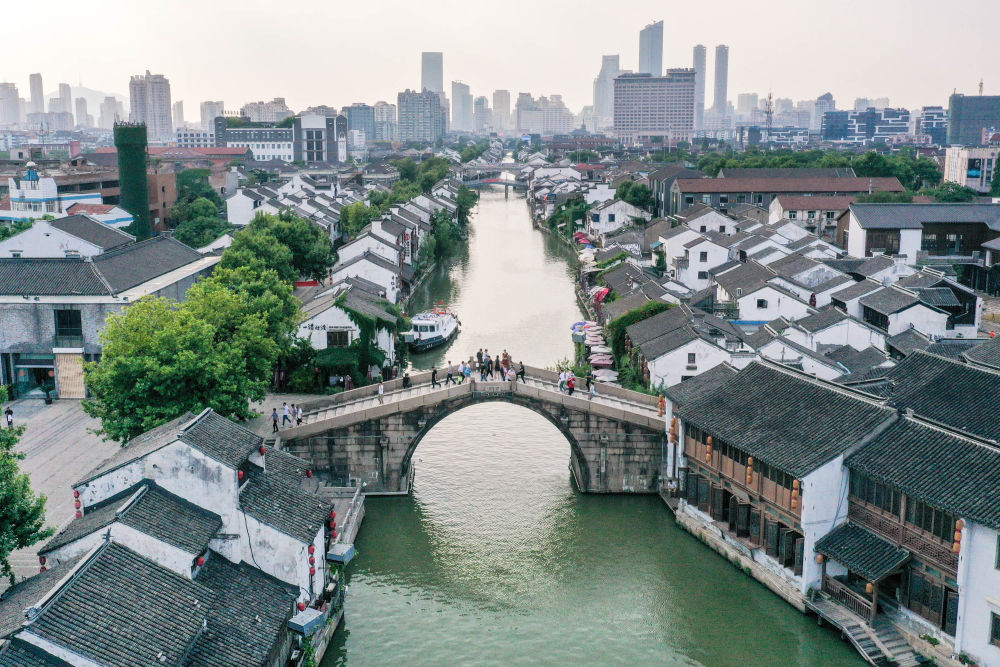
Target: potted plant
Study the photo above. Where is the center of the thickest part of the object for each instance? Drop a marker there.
(48, 389)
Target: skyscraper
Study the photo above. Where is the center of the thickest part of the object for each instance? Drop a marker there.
(655, 107)
(361, 117)
(700, 63)
(81, 112)
(421, 116)
(604, 93)
(111, 110)
(432, 71)
(720, 102)
(10, 104)
(968, 115)
(501, 110)
(461, 107)
(149, 96)
(210, 110)
(651, 49)
(481, 119)
(65, 98)
(385, 121)
(178, 113)
(37, 94)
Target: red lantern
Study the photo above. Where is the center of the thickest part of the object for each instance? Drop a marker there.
(312, 560)
(41, 560)
(302, 606)
(201, 561)
(312, 571)
(42, 569)
(79, 514)
(77, 504)
(312, 548)
(333, 525)
(309, 473)
(76, 494)
(263, 450)
(333, 534)
(333, 515)
(240, 475)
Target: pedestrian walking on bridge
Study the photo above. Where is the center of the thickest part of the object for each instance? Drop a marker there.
(381, 392)
(274, 420)
(434, 377)
(520, 373)
(451, 375)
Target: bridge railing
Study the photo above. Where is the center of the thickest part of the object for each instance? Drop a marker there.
(603, 389)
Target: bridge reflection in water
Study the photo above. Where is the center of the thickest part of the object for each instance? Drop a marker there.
(352, 438)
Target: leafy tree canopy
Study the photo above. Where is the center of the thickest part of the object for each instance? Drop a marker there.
(260, 251)
(637, 194)
(22, 513)
(193, 184)
(312, 253)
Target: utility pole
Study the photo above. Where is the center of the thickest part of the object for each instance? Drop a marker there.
(768, 115)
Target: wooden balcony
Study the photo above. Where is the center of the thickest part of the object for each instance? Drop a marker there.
(922, 547)
(765, 489)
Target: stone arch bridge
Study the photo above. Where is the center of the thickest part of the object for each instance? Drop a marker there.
(616, 439)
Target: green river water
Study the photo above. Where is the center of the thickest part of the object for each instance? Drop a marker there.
(496, 559)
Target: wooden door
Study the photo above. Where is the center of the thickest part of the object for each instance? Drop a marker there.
(800, 544)
(717, 502)
(743, 520)
(733, 511)
(771, 538)
(703, 494)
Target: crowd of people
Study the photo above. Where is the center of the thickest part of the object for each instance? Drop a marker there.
(568, 382)
(501, 367)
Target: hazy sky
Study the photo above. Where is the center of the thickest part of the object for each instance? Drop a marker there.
(340, 51)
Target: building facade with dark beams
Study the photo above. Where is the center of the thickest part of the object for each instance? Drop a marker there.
(880, 509)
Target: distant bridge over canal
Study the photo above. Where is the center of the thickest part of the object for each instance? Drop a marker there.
(616, 439)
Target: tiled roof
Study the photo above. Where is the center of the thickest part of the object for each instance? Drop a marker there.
(701, 384)
(133, 265)
(913, 216)
(28, 593)
(790, 185)
(659, 324)
(668, 341)
(47, 276)
(20, 653)
(222, 439)
(784, 430)
(822, 319)
(94, 209)
(920, 279)
(908, 340)
(889, 300)
(857, 360)
(985, 354)
(938, 296)
(816, 203)
(954, 473)
(862, 551)
(248, 617)
(150, 510)
(787, 172)
(103, 236)
(952, 348)
(745, 279)
(274, 496)
(138, 447)
(949, 392)
(125, 610)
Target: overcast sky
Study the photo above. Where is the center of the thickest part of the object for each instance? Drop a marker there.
(338, 51)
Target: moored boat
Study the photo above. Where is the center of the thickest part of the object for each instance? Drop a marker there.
(431, 329)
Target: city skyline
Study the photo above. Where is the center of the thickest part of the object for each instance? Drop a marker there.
(128, 47)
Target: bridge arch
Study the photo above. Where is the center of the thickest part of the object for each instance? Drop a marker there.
(578, 459)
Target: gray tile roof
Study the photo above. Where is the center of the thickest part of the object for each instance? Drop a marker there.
(857, 360)
(822, 319)
(668, 341)
(771, 414)
(28, 593)
(222, 439)
(949, 392)
(746, 277)
(938, 296)
(920, 279)
(105, 274)
(952, 348)
(985, 354)
(913, 216)
(125, 610)
(138, 447)
(954, 473)
(249, 615)
(83, 227)
(701, 384)
(862, 551)
(20, 653)
(659, 324)
(857, 290)
(150, 510)
(274, 496)
(889, 300)
(618, 307)
(909, 340)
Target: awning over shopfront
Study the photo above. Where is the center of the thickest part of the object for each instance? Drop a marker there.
(862, 551)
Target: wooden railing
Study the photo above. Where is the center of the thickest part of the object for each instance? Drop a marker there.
(923, 548)
(843, 594)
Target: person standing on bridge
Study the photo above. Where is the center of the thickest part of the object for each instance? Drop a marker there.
(274, 420)
(451, 375)
(434, 377)
(571, 384)
(479, 358)
(381, 392)
(285, 416)
(298, 415)
(520, 372)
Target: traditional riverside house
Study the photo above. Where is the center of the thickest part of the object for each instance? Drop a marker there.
(701, 255)
(370, 241)
(766, 472)
(613, 215)
(327, 316)
(72, 236)
(705, 219)
(848, 299)
(830, 327)
(744, 292)
(372, 268)
(813, 281)
(895, 309)
(194, 545)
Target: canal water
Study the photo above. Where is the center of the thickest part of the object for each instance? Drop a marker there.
(495, 558)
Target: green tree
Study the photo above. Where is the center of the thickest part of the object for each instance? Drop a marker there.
(995, 184)
(583, 155)
(201, 231)
(466, 201)
(194, 184)
(407, 169)
(312, 253)
(260, 251)
(355, 217)
(161, 360)
(22, 513)
(636, 194)
(951, 192)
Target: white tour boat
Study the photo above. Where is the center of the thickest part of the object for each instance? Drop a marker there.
(432, 328)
